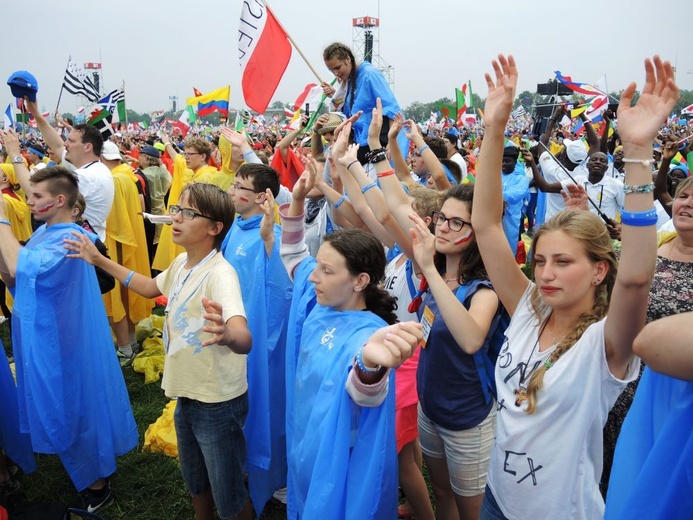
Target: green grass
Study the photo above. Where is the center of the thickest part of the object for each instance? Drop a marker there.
(147, 486)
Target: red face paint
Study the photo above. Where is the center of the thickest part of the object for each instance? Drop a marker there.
(243, 199)
(463, 240)
(46, 208)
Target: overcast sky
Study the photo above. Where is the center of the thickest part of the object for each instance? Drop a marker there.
(162, 48)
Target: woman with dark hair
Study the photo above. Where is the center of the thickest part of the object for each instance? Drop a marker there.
(358, 86)
(462, 312)
(341, 447)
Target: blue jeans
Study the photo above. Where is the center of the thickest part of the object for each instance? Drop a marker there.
(211, 450)
(490, 509)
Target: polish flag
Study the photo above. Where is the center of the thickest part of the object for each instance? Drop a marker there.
(264, 52)
(311, 95)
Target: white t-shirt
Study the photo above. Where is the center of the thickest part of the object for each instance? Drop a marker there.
(209, 374)
(548, 464)
(97, 188)
(457, 157)
(396, 285)
(607, 194)
(552, 172)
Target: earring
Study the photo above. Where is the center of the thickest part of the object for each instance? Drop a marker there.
(596, 282)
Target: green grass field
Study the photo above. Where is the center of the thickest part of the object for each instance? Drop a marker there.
(147, 486)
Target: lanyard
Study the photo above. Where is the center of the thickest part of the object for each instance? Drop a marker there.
(410, 271)
(601, 192)
(179, 287)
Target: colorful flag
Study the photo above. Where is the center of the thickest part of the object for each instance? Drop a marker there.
(311, 95)
(101, 119)
(197, 93)
(192, 115)
(687, 111)
(580, 88)
(9, 119)
(264, 52)
(464, 100)
(295, 120)
(77, 82)
(215, 101)
(447, 110)
(518, 112)
(114, 102)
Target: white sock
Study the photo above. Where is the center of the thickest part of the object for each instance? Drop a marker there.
(126, 350)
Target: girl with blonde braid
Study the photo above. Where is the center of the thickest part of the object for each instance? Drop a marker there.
(568, 350)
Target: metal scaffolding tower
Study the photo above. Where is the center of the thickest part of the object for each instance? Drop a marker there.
(366, 45)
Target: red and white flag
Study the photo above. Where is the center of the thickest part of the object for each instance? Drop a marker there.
(263, 53)
(311, 95)
(687, 111)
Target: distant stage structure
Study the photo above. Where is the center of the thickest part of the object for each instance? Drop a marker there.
(366, 45)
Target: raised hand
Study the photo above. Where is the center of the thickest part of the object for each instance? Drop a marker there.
(395, 126)
(575, 197)
(423, 243)
(267, 226)
(341, 142)
(376, 123)
(304, 184)
(501, 93)
(350, 155)
(233, 137)
(638, 125)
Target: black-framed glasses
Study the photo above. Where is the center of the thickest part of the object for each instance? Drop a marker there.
(186, 213)
(186, 154)
(237, 186)
(454, 223)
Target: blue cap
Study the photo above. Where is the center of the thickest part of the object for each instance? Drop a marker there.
(23, 83)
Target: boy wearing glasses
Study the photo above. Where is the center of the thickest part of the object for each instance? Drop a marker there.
(267, 291)
(206, 339)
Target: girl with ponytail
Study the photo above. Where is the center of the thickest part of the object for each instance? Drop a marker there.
(341, 449)
(568, 349)
(358, 86)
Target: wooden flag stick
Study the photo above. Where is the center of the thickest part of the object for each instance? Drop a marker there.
(300, 52)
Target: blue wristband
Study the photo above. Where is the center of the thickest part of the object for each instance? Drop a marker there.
(368, 187)
(364, 368)
(339, 202)
(249, 152)
(424, 147)
(128, 278)
(639, 218)
(6, 222)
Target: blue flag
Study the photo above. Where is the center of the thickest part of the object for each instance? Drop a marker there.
(9, 119)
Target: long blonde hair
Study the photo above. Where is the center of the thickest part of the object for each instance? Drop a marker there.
(591, 232)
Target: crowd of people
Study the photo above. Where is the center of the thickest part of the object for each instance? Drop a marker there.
(344, 307)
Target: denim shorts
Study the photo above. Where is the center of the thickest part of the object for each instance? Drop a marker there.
(211, 450)
(490, 509)
(467, 452)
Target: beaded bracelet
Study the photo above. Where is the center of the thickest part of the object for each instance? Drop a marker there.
(376, 158)
(644, 162)
(352, 162)
(362, 366)
(339, 202)
(368, 187)
(424, 147)
(644, 188)
(6, 222)
(128, 278)
(386, 173)
(370, 154)
(639, 218)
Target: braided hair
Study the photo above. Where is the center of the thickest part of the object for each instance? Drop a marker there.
(592, 233)
(342, 52)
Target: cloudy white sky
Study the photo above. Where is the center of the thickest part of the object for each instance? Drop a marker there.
(163, 48)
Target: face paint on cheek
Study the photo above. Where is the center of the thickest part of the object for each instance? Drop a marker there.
(243, 199)
(464, 239)
(46, 208)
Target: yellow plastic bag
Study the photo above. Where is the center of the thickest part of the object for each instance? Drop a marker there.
(150, 361)
(160, 437)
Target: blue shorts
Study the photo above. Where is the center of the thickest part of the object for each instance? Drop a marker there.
(211, 450)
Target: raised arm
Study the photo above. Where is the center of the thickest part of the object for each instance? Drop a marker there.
(50, 135)
(10, 141)
(660, 189)
(9, 249)
(591, 134)
(604, 139)
(432, 162)
(507, 278)
(398, 160)
(286, 141)
(557, 114)
(316, 147)
(638, 127)
(542, 184)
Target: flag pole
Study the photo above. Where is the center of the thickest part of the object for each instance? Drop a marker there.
(126, 107)
(300, 52)
(62, 86)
